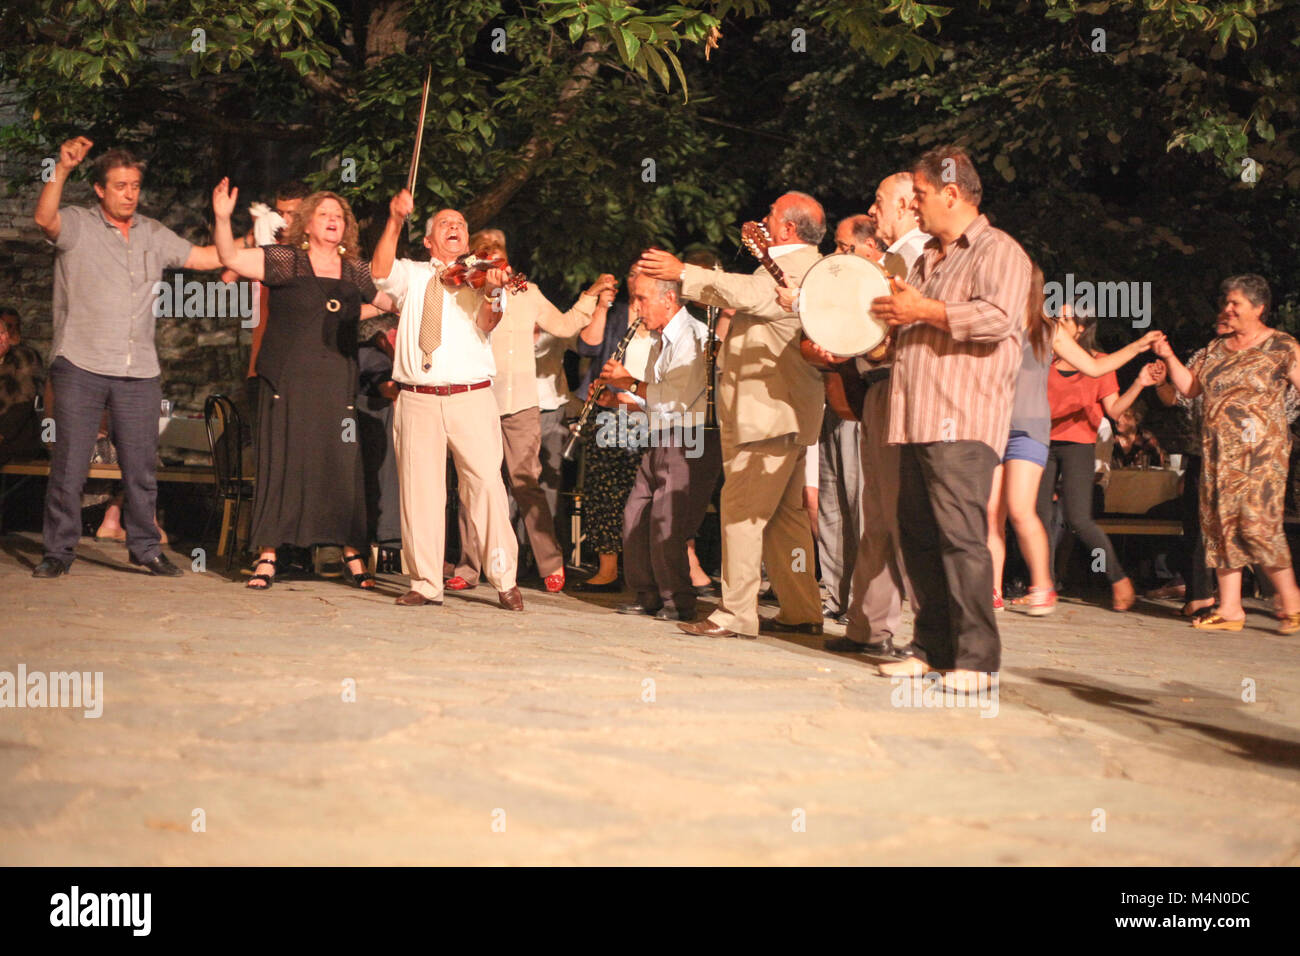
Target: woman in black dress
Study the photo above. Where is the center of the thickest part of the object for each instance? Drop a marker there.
(309, 488)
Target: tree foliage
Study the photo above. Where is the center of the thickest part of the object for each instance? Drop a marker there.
(1113, 137)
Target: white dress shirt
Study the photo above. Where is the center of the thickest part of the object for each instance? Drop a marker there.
(464, 355)
(552, 386)
(909, 246)
(677, 373)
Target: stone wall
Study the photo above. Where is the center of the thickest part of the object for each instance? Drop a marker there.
(199, 356)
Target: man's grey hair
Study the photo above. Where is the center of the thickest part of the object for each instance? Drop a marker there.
(1253, 287)
(662, 287)
(808, 217)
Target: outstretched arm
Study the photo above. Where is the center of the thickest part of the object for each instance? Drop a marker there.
(1095, 366)
(249, 263)
(399, 207)
(1179, 374)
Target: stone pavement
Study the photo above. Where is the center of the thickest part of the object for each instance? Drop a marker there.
(571, 735)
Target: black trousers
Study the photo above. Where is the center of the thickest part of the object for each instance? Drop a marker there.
(1075, 463)
(943, 497)
(656, 525)
(1196, 576)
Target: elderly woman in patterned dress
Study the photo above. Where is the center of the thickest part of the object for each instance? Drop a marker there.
(1246, 446)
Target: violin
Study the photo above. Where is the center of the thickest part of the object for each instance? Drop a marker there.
(471, 269)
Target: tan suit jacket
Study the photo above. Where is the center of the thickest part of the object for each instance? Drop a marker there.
(765, 388)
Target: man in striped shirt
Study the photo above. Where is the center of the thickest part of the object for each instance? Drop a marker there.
(959, 319)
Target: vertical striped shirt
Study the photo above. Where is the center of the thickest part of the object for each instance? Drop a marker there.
(959, 384)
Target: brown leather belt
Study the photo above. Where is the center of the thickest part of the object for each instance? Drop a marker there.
(443, 389)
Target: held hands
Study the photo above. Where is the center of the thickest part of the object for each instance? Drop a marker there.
(72, 152)
(1162, 348)
(223, 199)
(659, 264)
(1153, 373)
(401, 206)
(604, 288)
(1149, 340)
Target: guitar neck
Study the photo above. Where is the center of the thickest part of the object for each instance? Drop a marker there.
(772, 268)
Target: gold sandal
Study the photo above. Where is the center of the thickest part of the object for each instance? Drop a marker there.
(1290, 624)
(1216, 622)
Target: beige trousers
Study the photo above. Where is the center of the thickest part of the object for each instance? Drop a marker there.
(764, 522)
(425, 427)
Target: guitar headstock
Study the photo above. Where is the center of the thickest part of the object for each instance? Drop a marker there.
(756, 239)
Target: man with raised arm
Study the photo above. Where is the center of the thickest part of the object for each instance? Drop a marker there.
(443, 368)
(107, 260)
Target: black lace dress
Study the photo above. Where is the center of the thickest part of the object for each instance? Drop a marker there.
(310, 487)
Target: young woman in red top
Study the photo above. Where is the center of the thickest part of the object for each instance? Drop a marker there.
(1078, 405)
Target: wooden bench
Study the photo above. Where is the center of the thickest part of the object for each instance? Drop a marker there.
(183, 474)
(1138, 524)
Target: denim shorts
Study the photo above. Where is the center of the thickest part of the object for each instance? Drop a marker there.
(1020, 447)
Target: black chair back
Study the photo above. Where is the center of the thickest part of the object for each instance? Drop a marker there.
(226, 439)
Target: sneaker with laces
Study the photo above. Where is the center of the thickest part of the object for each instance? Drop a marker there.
(1041, 601)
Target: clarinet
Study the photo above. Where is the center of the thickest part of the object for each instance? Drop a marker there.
(571, 448)
(711, 368)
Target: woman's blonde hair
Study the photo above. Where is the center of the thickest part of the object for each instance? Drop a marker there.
(351, 241)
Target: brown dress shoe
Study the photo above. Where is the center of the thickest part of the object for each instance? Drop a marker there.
(511, 600)
(774, 626)
(707, 628)
(415, 599)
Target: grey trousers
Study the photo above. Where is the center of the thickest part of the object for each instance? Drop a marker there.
(656, 525)
(875, 598)
(80, 398)
(839, 508)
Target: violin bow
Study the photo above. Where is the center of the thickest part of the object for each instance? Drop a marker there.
(419, 132)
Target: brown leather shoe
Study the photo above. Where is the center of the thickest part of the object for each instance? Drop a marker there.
(415, 599)
(707, 628)
(773, 626)
(511, 600)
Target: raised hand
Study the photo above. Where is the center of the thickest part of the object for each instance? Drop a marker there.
(223, 199)
(1150, 339)
(659, 264)
(73, 151)
(1162, 348)
(605, 283)
(401, 206)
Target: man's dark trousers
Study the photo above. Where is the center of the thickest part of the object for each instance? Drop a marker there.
(655, 529)
(133, 404)
(943, 495)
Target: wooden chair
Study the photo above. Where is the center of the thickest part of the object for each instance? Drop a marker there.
(231, 485)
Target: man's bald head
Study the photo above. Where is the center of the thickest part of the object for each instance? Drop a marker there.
(892, 210)
(796, 218)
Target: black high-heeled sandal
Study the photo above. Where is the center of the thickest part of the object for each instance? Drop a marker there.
(268, 578)
(358, 580)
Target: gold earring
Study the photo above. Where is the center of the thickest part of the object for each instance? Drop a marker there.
(343, 250)
(305, 244)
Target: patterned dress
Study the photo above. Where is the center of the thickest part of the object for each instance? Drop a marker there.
(1246, 447)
